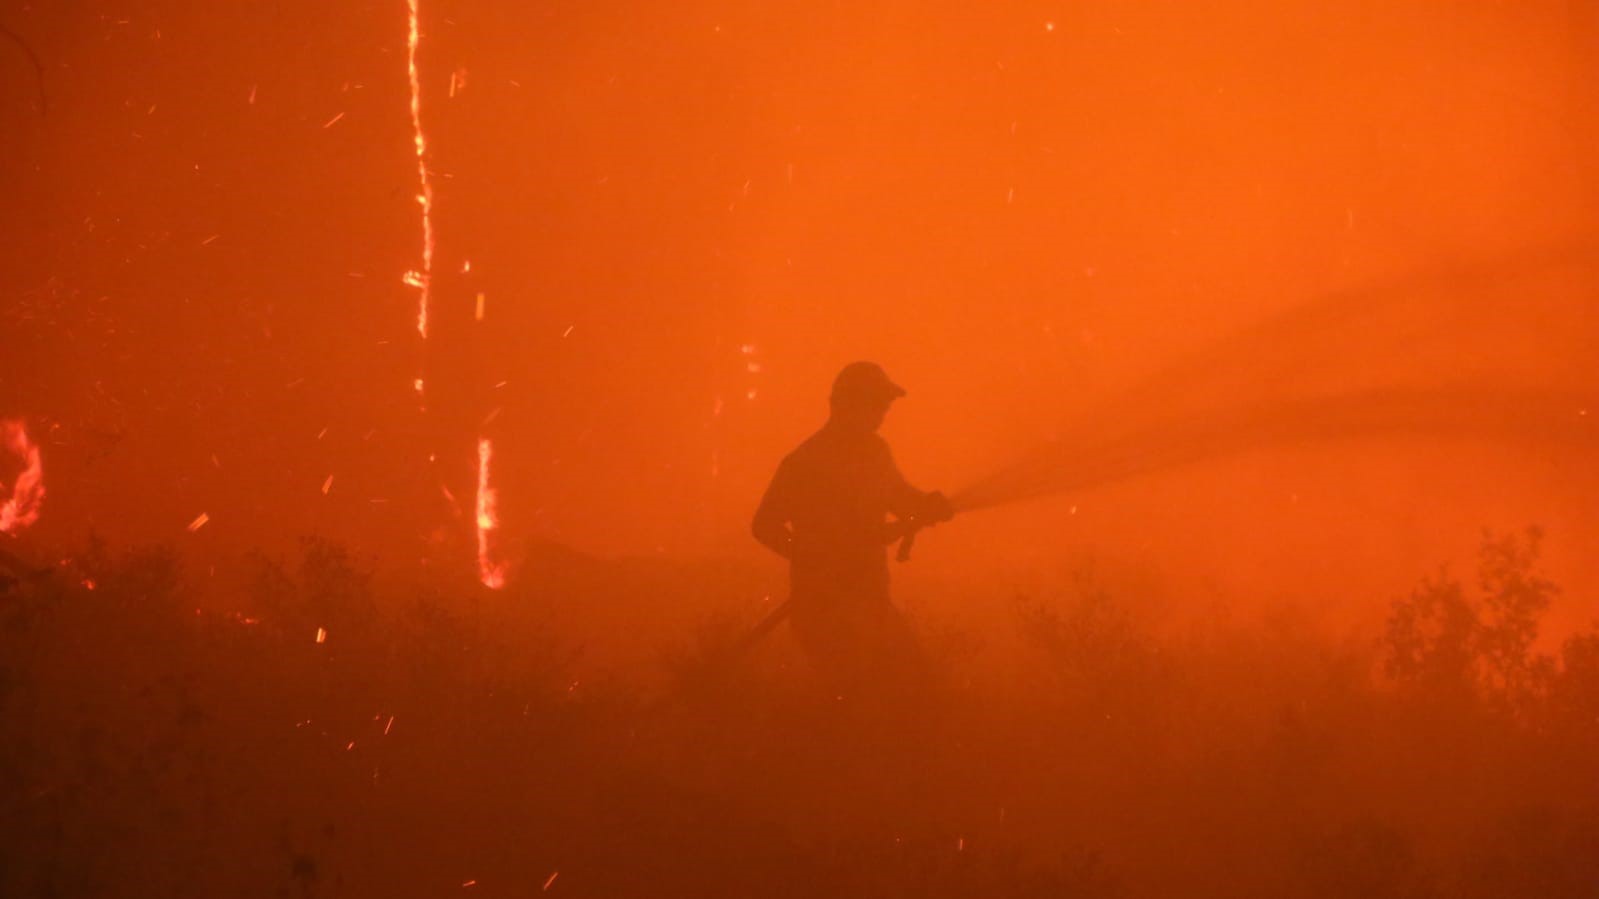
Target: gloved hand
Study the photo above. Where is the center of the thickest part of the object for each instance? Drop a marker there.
(937, 507)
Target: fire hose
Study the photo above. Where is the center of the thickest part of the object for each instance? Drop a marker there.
(1472, 410)
(904, 531)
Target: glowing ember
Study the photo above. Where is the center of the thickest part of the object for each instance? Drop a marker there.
(422, 279)
(21, 507)
(490, 571)
(198, 522)
(551, 880)
(321, 635)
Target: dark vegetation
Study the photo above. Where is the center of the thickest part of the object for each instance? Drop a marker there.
(436, 744)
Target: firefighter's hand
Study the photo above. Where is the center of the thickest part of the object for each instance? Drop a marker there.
(938, 508)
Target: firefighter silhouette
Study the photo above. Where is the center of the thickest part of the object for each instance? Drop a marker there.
(833, 507)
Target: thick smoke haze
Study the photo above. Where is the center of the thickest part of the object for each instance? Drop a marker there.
(1238, 312)
(684, 218)
(1017, 210)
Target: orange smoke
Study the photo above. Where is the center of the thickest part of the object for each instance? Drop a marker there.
(21, 507)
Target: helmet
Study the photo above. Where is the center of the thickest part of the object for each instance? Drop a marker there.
(864, 383)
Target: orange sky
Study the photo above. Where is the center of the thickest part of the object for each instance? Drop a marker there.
(1020, 209)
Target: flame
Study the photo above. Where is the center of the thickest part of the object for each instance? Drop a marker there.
(21, 507)
(490, 571)
(422, 280)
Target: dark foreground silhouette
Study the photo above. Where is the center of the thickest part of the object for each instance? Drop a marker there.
(163, 742)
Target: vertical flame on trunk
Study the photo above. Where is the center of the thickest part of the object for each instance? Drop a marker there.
(490, 570)
(21, 507)
(422, 280)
